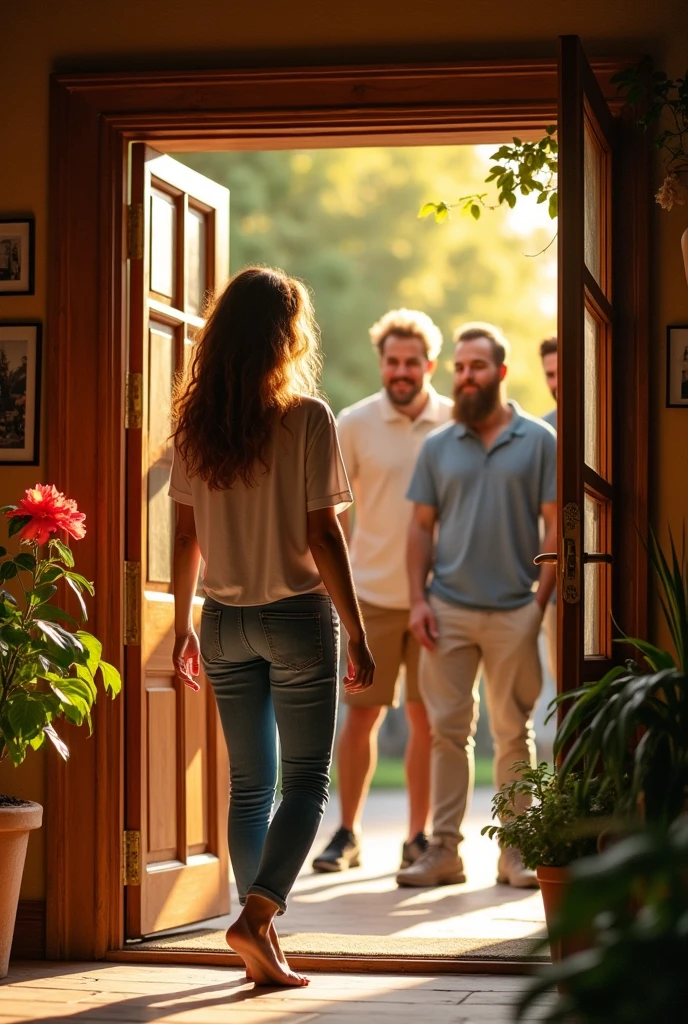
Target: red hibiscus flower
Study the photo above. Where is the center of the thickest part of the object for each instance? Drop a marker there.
(49, 511)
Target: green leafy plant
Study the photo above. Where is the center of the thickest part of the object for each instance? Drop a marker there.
(562, 823)
(633, 723)
(519, 169)
(48, 666)
(662, 103)
(633, 902)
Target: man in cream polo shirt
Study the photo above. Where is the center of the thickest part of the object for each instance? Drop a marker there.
(380, 438)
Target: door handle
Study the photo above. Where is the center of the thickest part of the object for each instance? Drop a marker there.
(569, 569)
(595, 557)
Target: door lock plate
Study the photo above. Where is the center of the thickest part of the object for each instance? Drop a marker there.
(570, 567)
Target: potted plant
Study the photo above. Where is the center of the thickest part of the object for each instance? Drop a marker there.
(634, 721)
(628, 733)
(48, 666)
(634, 900)
(561, 824)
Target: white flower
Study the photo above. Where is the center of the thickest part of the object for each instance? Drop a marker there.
(671, 191)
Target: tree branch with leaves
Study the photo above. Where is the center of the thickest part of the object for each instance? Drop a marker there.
(520, 169)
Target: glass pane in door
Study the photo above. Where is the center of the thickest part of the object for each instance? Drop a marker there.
(593, 211)
(195, 260)
(163, 217)
(592, 391)
(161, 368)
(592, 629)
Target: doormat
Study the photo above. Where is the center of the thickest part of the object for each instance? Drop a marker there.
(322, 944)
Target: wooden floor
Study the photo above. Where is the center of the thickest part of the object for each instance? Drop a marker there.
(118, 993)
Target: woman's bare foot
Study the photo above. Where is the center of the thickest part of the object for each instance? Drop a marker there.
(254, 938)
(272, 934)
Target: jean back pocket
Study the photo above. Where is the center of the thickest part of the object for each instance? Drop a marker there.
(211, 642)
(294, 639)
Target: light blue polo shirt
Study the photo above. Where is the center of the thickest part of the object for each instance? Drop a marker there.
(488, 505)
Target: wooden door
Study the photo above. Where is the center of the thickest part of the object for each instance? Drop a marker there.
(586, 314)
(176, 861)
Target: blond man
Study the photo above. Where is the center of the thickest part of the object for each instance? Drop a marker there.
(380, 438)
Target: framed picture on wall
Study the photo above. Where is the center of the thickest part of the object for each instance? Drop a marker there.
(16, 257)
(20, 393)
(677, 366)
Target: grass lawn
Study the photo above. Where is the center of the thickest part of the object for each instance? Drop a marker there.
(390, 773)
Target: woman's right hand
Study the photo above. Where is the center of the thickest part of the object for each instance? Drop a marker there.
(361, 667)
(186, 658)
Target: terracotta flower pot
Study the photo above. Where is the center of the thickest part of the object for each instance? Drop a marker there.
(553, 882)
(16, 821)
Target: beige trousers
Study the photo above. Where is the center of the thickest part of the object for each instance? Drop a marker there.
(504, 644)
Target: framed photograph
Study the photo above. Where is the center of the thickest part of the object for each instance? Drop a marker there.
(677, 366)
(20, 393)
(16, 257)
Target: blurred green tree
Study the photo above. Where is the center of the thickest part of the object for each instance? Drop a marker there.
(345, 221)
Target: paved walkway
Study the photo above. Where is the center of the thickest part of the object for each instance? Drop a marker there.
(366, 901)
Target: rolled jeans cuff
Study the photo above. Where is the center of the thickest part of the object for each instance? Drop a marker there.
(258, 890)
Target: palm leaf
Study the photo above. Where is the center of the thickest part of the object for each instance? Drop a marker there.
(674, 589)
(654, 656)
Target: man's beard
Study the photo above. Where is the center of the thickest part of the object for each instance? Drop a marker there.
(471, 408)
(407, 397)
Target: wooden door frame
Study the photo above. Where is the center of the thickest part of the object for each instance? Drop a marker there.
(94, 117)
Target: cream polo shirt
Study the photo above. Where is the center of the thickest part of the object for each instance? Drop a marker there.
(253, 540)
(380, 446)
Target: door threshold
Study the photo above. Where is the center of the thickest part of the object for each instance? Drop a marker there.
(336, 964)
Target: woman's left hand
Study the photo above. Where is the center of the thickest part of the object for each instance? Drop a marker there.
(186, 658)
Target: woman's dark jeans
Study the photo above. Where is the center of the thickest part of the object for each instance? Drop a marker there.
(273, 668)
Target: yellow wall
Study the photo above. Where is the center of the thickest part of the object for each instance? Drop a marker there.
(42, 36)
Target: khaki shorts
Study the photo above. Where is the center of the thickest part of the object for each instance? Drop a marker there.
(392, 645)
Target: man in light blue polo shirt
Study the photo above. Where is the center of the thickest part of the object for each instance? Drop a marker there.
(480, 486)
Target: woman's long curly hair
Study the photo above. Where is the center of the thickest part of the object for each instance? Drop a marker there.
(256, 356)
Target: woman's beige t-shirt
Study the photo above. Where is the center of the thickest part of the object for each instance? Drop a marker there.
(253, 539)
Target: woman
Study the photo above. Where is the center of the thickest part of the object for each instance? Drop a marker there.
(258, 479)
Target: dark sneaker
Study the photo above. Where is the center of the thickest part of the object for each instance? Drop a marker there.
(342, 852)
(412, 851)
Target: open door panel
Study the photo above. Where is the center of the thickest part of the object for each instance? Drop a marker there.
(176, 860)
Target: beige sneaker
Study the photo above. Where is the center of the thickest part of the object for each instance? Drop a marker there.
(440, 864)
(512, 871)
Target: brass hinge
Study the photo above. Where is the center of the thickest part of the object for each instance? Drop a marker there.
(131, 857)
(135, 231)
(133, 401)
(132, 603)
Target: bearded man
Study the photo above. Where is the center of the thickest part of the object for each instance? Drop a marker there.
(479, 487)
